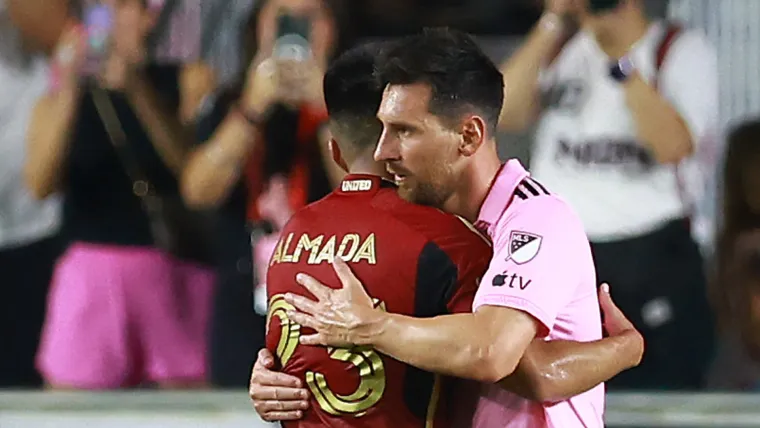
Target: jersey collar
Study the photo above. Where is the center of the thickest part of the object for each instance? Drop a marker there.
(362, 183)
(507, 179)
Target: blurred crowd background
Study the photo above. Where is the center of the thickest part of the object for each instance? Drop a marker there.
(137, 212)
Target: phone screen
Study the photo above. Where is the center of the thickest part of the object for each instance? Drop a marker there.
(293, 37)
(98, 23)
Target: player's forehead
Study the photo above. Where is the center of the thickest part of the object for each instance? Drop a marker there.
(404, 103)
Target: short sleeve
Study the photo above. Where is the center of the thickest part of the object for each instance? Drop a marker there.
(541, 255)
(689, 80)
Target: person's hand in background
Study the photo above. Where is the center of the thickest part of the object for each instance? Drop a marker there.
(563, 7)
(132, 22)
(68, 57)
(260, 90)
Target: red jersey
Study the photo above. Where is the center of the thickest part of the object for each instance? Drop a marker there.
(414, 260)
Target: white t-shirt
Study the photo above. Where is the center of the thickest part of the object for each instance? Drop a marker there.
(23, 80)
(586, 148)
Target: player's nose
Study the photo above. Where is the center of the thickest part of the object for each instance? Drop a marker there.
(387, 148)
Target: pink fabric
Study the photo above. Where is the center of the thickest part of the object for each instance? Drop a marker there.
(542, 265)
(120, 316)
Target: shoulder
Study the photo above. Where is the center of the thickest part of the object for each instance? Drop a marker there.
(541, 213)
(450, 233)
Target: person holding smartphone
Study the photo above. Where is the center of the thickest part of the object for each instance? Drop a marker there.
(263, 155)
(123, 310)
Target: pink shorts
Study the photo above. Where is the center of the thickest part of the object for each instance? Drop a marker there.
(122, 316)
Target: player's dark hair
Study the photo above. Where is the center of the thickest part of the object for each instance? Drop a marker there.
(353, 95)
(462, 78)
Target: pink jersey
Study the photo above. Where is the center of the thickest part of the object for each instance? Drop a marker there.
(541, 265)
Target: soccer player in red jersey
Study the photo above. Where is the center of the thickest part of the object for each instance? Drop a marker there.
(412, 250)
(384, 238)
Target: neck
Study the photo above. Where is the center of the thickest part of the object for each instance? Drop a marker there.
(365, 164)
(618, 35)
(472, 189)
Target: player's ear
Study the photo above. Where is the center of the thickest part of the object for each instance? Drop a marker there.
(473, 135)
(337, 156)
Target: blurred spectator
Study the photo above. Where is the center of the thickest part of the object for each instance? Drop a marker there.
(321, 33)
(263, 157)
(628, 107)
(734, 28)
(28, 247)
(122, 310)
(736, 290)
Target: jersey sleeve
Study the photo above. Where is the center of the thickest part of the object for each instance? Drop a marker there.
(538, 249)
(689, 81)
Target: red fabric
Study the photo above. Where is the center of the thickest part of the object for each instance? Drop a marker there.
(309, 120)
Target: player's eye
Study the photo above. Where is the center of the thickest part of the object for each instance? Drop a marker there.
(404, 131)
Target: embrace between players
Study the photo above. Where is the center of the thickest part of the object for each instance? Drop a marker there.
(489, 318)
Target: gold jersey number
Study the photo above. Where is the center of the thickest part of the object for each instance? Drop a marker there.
(365, 359)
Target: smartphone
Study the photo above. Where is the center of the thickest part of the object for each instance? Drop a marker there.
(98, 24)
(293, 37)
(601, 6)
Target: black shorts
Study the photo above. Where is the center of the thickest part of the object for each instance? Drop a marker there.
(659, 282)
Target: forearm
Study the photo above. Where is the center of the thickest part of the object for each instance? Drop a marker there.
(521, 74)
(658, 124)
(558, 370)
(48, 138)
(170, 138)
(213, 169)
(456, 345)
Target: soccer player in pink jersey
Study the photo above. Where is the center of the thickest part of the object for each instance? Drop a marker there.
(439, 111)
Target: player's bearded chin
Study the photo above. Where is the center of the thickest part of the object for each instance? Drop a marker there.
(421, 193)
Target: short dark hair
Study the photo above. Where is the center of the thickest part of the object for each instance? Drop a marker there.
(353, 95)
(462, 78)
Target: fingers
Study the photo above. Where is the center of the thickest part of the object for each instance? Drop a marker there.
(275, 398)
(313, 340)
(303, 304)
(609, 308)
(281, 416)
(261, 377)
(347, 277)
(319, 290)
(304, 320)
(265, 359)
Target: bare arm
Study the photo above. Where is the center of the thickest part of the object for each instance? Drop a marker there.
(54, 117)
(521, 73)
(658, 124)
(213, 169)
(557, 370)
(48, 139)
(676, 115)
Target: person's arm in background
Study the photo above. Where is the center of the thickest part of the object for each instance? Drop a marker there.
(197, 82)
(213, 168)
(522, 70)
(54, 116)
(676, 117)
